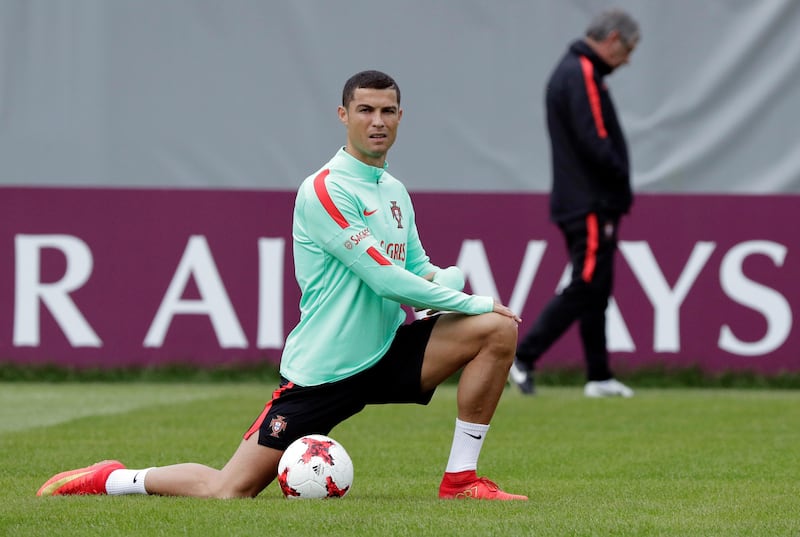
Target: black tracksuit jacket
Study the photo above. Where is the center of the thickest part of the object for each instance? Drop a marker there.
(589, 153)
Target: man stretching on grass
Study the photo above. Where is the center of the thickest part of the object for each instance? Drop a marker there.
(358, 257)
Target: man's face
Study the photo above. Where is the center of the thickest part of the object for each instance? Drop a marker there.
(618, 50)
(371, 120)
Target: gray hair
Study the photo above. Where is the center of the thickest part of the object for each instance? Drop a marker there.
(607, 21)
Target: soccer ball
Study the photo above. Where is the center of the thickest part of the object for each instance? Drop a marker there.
(315, 466)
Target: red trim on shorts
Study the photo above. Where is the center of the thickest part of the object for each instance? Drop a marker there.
(594, 96)
(260, 419)
(592, 243)
(327, 202)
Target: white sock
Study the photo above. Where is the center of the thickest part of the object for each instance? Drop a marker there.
(467, 443)
(126, 482)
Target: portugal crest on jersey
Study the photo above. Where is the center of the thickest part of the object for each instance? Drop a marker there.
(397, 214)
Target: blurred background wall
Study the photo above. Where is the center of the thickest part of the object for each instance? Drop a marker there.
(243, 93)
(149, 151)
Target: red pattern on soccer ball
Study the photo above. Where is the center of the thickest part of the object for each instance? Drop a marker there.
(285, 488)
(333, 489)
(315, 466)
(318, 448)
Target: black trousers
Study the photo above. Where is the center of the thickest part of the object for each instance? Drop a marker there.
(592, 244)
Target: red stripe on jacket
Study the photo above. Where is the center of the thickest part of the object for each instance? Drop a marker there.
(594, 96)
(376, 255)
(592, 243)
(334, 212)
(325, 198)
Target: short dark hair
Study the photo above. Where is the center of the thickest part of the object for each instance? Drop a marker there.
(369, 80)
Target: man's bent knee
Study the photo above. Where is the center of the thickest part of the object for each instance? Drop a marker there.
(502, 333)
(505, 326)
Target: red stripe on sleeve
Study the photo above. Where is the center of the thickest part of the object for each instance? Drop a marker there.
(376, 255)
(594, 96)
(260, 419)
(338, 217)
(592, 243)
(325, 199)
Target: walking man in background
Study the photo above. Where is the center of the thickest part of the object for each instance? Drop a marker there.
(358, 258)
(591, 191)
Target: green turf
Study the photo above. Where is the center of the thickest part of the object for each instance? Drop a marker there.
(683, 462)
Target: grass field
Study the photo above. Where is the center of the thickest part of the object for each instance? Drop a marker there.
(683, 462)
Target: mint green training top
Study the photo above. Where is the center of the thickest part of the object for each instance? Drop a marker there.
(357, 258)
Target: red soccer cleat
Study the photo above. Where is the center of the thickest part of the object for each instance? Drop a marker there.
(455, 487)
(89, 480)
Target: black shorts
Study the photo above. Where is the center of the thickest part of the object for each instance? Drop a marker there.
(296, 411)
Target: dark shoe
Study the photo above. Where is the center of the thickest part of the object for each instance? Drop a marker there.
(521, 374)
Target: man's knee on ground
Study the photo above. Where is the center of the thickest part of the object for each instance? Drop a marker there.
(226, 486)
(228, 492)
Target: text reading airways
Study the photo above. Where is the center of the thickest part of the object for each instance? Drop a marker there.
(197, 263)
